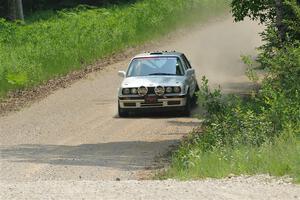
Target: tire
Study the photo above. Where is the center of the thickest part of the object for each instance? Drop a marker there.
(122, 112)
(197, 88)
(187, 107)
(195, 98)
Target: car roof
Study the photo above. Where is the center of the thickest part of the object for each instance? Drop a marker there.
(158, 54)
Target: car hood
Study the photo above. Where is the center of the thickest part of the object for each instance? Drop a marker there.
(152, 81)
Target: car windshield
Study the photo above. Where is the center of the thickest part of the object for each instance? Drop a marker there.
(155, 66)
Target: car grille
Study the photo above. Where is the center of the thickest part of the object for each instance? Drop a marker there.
(151, 90)
(158, 104)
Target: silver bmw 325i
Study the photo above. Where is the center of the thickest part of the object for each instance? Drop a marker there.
(157, 81)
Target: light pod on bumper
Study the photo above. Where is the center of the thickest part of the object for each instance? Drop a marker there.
(142, 91)
(159, 90)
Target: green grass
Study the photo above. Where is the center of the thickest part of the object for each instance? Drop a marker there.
(68, 40)
(259, 135)
(279, 159)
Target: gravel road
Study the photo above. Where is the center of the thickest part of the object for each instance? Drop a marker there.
(72, 144)
(258, 187)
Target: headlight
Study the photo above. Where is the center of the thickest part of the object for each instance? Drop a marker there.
(177, 89)
(126, 91)
(169, 90)
(142, 91)
(134, 91)
(159, 90)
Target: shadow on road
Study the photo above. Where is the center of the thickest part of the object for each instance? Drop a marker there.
(131, 155)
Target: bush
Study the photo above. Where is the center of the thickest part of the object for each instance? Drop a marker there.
(257, 135)
(261, 133)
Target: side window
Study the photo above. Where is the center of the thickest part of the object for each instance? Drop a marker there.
(185, 66)
(188, 64)
(179, 67)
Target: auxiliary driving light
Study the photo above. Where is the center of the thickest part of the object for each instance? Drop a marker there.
(159, 90)
(142, 91)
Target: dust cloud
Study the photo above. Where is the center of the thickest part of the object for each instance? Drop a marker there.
(215, 50)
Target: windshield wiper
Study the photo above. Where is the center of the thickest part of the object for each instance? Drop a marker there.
(167, 74)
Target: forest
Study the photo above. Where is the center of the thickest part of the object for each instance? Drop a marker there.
(9, 8)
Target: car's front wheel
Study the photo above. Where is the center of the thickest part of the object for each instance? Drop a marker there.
(195, 97)
(122, 112)
(188, 106)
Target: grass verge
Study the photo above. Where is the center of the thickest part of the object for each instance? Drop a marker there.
(41, 50)
(259, 135)
(278, 159)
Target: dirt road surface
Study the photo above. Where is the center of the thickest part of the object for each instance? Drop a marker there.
(74, 137)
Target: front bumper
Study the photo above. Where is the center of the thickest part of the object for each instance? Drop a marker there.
(162, 102)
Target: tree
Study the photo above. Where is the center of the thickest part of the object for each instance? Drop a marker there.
(20, 14)
(15, 10)
(12, 13)
(279, 20)
(273, 13)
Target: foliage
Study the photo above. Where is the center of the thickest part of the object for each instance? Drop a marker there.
(38, 51)
(257, 135)
(33, 6)
(210, 102)
(260, 134)
(279, 158)
(262, 10)
(280, 16)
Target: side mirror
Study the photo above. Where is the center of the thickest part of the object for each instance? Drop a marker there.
(122, 74)
(190, 72)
